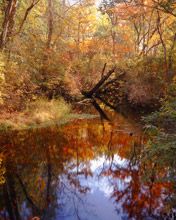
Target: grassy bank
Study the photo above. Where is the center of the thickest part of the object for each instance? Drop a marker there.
(41, 113)
(37, 113)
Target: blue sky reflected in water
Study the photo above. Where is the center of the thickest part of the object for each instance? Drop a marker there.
(97, 204)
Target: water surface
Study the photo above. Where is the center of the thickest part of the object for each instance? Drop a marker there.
(88, 169)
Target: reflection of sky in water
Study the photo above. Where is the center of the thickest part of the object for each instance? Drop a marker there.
(103, 183)
(96, 204)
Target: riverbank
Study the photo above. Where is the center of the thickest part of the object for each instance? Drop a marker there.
(41, 113)
(35, 113)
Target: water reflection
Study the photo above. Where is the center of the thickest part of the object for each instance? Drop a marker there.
(84, 170)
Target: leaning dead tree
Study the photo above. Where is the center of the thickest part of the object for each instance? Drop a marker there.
(93, 91)
(107, 88)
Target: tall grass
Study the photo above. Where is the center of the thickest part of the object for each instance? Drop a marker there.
(43, 110)
(38, 112)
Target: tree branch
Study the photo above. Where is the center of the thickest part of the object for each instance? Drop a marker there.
(28, 10)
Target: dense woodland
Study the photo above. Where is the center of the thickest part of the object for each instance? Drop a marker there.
(57, 48)
(57, 54)
(119, 52)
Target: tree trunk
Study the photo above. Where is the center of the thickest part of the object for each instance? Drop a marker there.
(164, 50)
(8, 22)
(50, 23)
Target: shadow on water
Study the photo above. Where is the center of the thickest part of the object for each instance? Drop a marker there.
(87, 170)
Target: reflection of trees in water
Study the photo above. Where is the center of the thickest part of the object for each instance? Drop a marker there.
(71, 198)
(138, 198)
(35, 160)
(45, 168)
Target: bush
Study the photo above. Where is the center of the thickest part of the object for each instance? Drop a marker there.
(144, 84)
(165, 119)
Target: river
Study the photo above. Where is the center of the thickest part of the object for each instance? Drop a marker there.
(87, 169)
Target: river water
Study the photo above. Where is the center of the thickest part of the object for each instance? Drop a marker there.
(87, 169)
